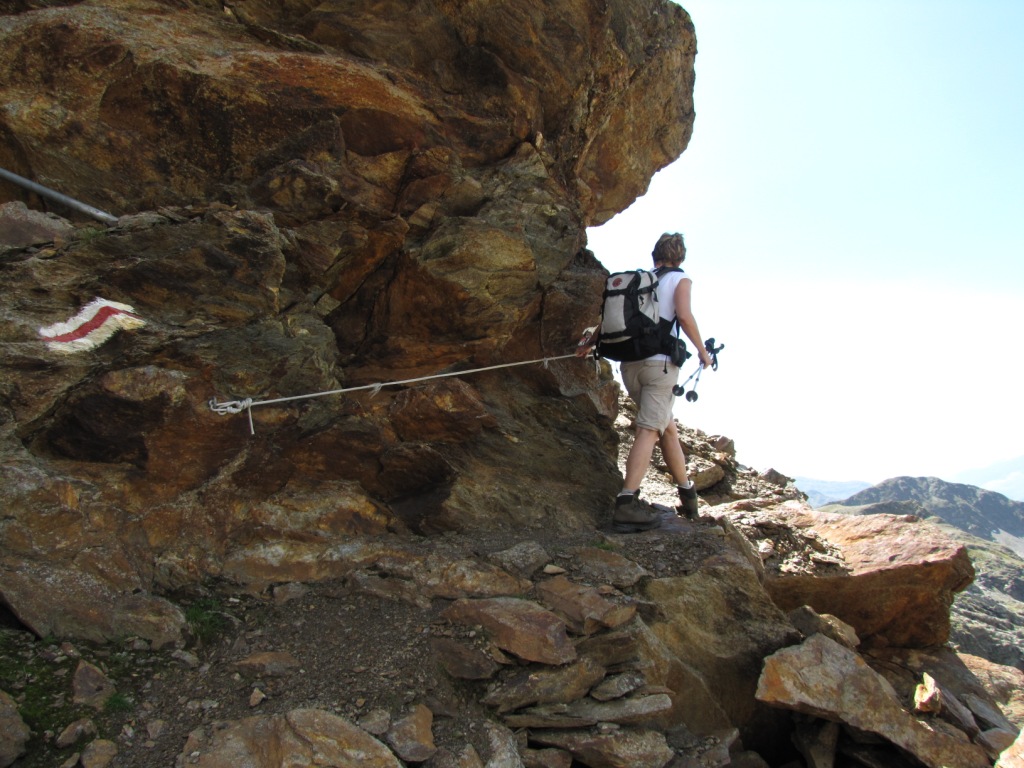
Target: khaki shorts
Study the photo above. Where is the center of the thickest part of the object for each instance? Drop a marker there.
(650, 386)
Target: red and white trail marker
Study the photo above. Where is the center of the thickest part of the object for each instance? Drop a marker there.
(96, 322)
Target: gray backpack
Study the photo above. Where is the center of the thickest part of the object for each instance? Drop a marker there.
(630, 316)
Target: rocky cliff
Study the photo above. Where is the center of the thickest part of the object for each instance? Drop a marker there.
(385, 204)
(311, 198)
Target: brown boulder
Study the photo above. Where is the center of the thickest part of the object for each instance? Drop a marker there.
(90, 686)
(299, 737)
(895, 581)
(584, 607)
(60, 601)
(462, 661)
(98, 754)
(558, 685)
(1005, 685)
(411, 736)
(517, 626)
(822, 678)
(720, 622)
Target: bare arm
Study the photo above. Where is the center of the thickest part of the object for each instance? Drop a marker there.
(687, 322)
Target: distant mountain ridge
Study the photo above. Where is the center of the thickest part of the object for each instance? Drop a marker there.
(821, 492)
(977, 511)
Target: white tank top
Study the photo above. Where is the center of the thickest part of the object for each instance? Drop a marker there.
(667, 283)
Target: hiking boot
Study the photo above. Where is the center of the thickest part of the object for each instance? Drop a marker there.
(633, 515)
(688, 497)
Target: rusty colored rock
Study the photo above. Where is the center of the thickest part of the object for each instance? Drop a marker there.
(898, 579)
(584, 607)
(339, 91)
(74, 732)
(544, 686)
(827, 680)
(1005, 686)
(721, 623)
(98, 754)
(90, 686)
(446, 411)
(411, 736)
(705, 473)
(808, 621)
(463, 662)
(607, 567)
(91, 598)
(517, 626)
(301, 737)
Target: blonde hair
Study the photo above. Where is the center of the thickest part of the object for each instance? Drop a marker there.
(669, 249)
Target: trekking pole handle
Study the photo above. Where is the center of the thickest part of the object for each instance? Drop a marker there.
(711, 349)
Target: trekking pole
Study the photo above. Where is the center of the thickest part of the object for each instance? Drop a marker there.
(712, 350)
(679, 389)
(70, 202)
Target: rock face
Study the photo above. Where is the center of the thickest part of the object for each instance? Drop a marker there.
(307, 108)
(311, 199)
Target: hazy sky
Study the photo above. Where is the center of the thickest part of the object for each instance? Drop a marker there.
(853, 206)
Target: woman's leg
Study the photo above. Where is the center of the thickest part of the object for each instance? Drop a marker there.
(672, 452)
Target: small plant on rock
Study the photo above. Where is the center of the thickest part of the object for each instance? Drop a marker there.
(205, 620)
(118, 703)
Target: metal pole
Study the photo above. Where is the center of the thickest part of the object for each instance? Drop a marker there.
(70, 202)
